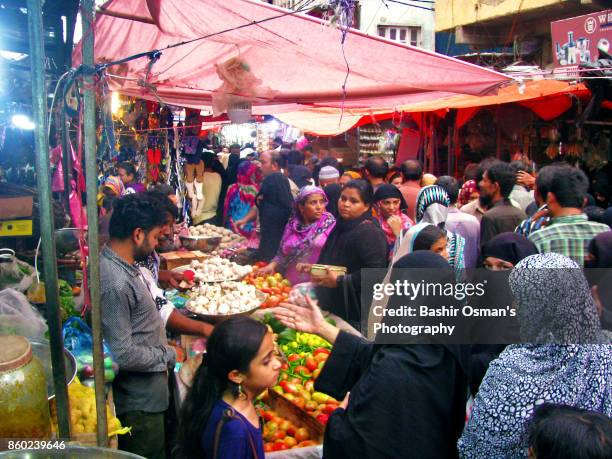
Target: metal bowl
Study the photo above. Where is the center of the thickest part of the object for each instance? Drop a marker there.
(69, 452)
(42, 350)
(201, 243)
(217, 318)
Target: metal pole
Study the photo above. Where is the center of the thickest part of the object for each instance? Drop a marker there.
(45, 207)
(66, 157)
(91, 176)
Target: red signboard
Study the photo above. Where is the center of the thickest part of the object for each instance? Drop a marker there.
(577, 40)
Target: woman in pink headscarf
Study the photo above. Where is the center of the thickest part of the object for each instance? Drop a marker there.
(304, 236)
(240, 198)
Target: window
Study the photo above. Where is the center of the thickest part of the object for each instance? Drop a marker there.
(409, 34)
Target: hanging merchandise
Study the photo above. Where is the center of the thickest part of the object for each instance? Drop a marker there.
(240, 87)
(57, 170)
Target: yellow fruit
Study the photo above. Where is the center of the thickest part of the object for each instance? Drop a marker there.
(113, 424)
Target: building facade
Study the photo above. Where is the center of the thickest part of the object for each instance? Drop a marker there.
(411, 23)
(522, 25)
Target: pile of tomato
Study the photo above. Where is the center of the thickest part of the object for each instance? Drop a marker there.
(280, 434)
(275, 286)
(306, 356)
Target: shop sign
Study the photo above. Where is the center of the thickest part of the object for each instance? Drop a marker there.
(576, 41)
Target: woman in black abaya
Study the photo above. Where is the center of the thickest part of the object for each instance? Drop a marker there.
(405, 400)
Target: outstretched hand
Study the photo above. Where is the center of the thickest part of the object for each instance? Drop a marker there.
(307, 319)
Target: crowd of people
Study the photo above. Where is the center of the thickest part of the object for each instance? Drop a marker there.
(549, 397)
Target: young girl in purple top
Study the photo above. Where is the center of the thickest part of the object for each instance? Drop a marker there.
(218, 418)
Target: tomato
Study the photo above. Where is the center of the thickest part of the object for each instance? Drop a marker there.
(284, 425)
(271, 426)
(321, 350)
(323, 418)
(291, 430)
(284, 366)
(309, 386)
(302, 434)
(268, 448)
(289, 397)
(279, 445)
(265, 290)
(267, 416)
(306, 443)
(284, 376)
(293, 357)
(302, 370)
(320, 357)
(287, 290)
(274, 300)
(310, 405)
(279, 435)
(275, 291)
(299, 402)
(288, 387)
(316, 373)
(261, 264)
(305, 394)
(290, 442)
(329, 408)
(295, 381)
(311, 364)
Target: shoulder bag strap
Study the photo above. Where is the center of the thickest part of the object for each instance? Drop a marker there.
(227, 415)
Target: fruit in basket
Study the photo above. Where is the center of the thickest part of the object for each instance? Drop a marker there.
(280, 434)
(83, 411)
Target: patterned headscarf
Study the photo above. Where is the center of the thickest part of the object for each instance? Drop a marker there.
(466, 191)
(555, 305)
(115, 184)
(432, 205)
(298, 239)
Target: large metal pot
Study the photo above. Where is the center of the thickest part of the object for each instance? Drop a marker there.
(69, 452)
(42, 350)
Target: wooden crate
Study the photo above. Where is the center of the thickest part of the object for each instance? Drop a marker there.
(285, 409)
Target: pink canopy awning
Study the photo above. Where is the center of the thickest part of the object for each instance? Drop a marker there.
(297, 57)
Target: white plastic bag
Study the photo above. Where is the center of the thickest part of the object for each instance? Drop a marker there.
(18, 316)
(15, 273)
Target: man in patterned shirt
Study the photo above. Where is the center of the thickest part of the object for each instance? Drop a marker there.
(132, 325)
(563, 189)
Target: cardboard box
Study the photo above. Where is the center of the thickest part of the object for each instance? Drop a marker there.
(171, 260)
(15, 202)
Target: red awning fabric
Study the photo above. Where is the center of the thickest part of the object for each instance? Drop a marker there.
(546, 98)
(298, 57)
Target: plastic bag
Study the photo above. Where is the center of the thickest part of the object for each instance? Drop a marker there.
(15, 273)
(78, 339)
(300, 291)
(18, 317)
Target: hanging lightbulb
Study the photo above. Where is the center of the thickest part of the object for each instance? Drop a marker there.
(21, 121)
(115, 102)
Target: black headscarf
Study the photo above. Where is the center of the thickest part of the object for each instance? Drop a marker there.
(429, 261)
(510, 247)
(387, 191)
(423, 386)
(275, 204)
(300, 175)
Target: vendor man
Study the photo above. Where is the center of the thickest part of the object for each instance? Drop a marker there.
(133, 327)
